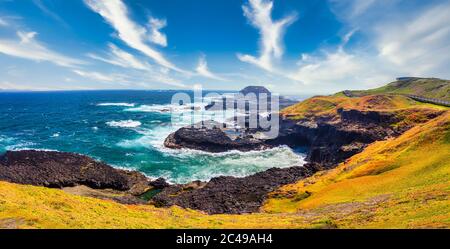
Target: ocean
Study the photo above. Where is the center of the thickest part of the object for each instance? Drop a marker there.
(125, 129)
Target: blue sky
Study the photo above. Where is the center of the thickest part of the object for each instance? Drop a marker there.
(290, 46)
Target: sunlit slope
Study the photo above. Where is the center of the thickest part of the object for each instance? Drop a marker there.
(402, 182)
(23, 206)
(426, 87)
(328, 106)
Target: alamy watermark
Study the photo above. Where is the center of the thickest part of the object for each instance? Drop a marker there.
(251, 112)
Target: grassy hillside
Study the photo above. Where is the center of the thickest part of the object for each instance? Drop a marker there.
(426, 87)
(329, 105)
(23, 206)
(402, 182)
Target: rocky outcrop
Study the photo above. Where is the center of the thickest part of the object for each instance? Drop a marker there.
(212, 140)
(60, 169)
(329, 139)
(81, 175)
(231, 195)
(258, 91)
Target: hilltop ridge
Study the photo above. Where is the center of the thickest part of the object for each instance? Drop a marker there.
(425, 87)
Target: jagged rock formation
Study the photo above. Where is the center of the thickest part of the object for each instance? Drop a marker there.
(231, 195)
(257, 91)
(211, 140)
(66, 170)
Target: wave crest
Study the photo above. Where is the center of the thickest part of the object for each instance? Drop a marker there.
(117, 104)
(124, 124)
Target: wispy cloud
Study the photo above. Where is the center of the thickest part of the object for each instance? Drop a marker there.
(396, 43)
(97, 76)
(7, 85)
(3, 22)
(203, 70)
(162, 77)
(259, 14)
(116, 14)
(121, 58)
(155, 25)
(27, 47)
(145, 72)
(46, 10)
(418, 45)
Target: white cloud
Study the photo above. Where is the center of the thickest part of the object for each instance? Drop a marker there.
(116, 14)
(6, 85)
(116, 78)
(49, 12)
(259, 13)
(202, 69)
(396, 43)
(419, 45)
(353, 8)
(161, 78)
(155, 25)
(147, 72)
(27, 47)
(3, 22)
(121, 58)
(339, 69)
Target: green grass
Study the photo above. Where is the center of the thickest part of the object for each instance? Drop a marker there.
(410, 174)
(328, 106)
(426, 87)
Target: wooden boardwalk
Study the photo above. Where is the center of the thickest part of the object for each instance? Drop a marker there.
(430, 100)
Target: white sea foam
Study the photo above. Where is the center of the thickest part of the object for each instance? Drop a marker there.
(117, 104)
(200, 165)
(168, 108)
(233, 163)
(124, 124)
(5, 139)
(21, 146)
(35, 149)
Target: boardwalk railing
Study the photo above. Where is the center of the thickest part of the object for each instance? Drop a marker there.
(414, 97)
(430, 100)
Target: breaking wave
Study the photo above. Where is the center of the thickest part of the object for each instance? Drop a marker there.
(124, 124)
(117, 104)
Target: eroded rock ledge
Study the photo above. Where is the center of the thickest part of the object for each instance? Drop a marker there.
(66, 170)
(81, 175)
(231, 195)
(212, 140)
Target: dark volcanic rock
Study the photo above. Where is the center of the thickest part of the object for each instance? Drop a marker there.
(159, 183)
(230, 194)
(331, 141)
(211, 140)
(257, 90)
(59, 169)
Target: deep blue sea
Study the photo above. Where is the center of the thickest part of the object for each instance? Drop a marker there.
(125, 129)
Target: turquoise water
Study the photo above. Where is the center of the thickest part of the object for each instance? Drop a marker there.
(125, 129)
